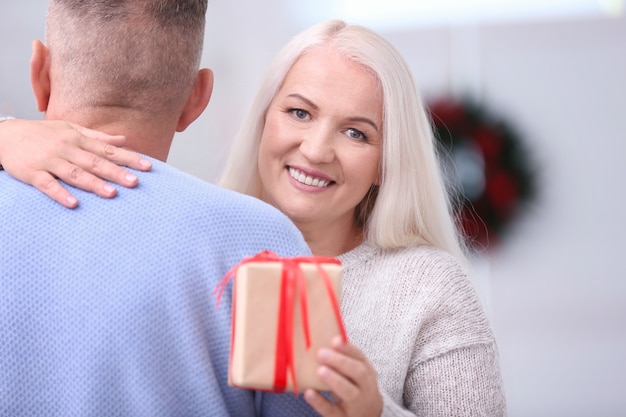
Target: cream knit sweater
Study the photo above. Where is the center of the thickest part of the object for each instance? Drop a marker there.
(417, 317)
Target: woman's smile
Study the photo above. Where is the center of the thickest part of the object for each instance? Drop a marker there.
(305, 179)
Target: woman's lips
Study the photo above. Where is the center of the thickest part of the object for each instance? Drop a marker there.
(306, 179)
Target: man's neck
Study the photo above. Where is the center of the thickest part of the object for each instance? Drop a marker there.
(150, 135)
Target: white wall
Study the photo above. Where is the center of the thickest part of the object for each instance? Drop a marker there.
(557, 287)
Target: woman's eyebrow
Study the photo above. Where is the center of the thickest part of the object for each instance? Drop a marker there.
(306, 100)
(315, 107)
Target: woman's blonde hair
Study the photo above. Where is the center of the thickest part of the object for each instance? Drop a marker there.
(411, 205)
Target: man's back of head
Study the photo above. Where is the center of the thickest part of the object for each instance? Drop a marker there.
(110, 61)
(139, 54)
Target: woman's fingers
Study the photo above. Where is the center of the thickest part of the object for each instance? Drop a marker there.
(40, 152)
(109, 150)
(100, 156)
(343, 388)
(348, 361)
(352, 380)
(322, 405)
(97, 160)
(83, 167)
(79, 178)
(342, 374)
(116, 140)
(347, 348)
(50, 186)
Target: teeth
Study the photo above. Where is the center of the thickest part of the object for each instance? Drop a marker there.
(306, 179)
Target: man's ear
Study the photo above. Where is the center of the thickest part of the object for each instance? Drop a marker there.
(40, 74)
(198, 99)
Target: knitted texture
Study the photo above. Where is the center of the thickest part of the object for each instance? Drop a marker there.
(106, 310)
(419, 321)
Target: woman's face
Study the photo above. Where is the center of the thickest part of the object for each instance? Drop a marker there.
(321, 144)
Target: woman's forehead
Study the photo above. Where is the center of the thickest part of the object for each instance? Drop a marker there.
(324, 74)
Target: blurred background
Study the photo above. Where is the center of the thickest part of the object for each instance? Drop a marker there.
(554, 71)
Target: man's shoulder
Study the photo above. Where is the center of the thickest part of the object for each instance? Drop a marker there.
(179, 185)
(245, 225)
(165, 198)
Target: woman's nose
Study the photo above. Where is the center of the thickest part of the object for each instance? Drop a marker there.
(317, 146)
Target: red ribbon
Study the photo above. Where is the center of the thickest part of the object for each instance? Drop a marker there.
(292, 277)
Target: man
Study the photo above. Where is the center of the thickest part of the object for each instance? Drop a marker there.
(106, 310)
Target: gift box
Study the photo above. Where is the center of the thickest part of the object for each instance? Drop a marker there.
(284, 310)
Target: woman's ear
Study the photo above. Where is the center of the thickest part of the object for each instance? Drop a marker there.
(40, 74)
(198, 99)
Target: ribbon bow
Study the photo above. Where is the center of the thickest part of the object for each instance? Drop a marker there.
(292, 277)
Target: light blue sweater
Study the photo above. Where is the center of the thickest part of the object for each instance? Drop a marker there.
(106, 310)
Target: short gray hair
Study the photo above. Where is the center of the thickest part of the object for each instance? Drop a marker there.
(126, 53)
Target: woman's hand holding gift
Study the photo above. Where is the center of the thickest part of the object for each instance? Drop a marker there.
(352, 381)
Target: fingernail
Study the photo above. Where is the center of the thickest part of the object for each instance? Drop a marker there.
(309, 394)
(324, 354)
(131, 178)
(323, 371)
(72, 201)
(109, 188)
(145, 163)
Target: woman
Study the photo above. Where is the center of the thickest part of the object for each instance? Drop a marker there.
(343, 146)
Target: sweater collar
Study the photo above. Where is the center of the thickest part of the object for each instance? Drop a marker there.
(357, 255)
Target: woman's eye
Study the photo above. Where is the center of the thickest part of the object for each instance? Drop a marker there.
(299, 113)
(355, 134)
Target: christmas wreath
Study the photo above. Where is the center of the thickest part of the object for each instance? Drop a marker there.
(488, 166)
